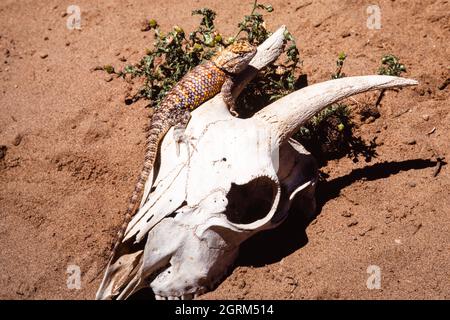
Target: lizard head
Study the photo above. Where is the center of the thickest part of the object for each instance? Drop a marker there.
(236, 57)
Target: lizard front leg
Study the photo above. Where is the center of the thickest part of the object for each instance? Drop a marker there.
(228, 96)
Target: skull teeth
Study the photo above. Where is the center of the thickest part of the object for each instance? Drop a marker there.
(188, 296)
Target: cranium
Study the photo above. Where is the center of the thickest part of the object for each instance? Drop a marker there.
(234, 178)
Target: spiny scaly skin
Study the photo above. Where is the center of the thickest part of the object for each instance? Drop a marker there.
(199, 85)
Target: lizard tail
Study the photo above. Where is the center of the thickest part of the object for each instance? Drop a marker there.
(154, 136)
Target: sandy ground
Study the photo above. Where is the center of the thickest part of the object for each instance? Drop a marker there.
(73, 150)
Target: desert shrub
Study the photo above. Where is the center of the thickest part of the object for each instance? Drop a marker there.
(328, 135)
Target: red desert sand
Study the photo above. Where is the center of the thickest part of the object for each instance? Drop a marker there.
(73, 150)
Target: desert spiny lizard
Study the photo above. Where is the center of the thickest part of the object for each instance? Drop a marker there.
(196, 87)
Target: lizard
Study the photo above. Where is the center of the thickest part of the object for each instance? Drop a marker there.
(199, 85)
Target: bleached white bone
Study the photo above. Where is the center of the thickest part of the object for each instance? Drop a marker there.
(240, 178)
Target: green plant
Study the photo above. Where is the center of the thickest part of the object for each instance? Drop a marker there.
(174, 54)
(253, 24)
(339, 65)
(390, 66)
(276, 80)
(330, 134)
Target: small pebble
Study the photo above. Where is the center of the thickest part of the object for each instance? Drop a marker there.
(364, 232)
(17, 139)
(426, 117)
(352, 223)
(346, 214)
(431, 131)
(3, 151)
(411, 184)
(370, 120)
(43, 55)
(410, 142)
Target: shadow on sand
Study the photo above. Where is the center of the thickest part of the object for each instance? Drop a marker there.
(271, 246)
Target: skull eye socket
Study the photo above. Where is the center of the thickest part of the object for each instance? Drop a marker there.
(250, 202)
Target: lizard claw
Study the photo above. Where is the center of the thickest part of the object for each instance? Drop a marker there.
(181, 137)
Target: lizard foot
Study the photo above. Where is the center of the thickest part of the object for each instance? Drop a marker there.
(180, 137)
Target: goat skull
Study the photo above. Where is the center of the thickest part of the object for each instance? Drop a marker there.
(235, 178)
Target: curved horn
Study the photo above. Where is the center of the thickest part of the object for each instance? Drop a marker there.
(267, 53)
(289, 113)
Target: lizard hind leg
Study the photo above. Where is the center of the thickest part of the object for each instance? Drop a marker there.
(181, 121)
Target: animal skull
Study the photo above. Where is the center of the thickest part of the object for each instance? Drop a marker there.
(234, 178)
